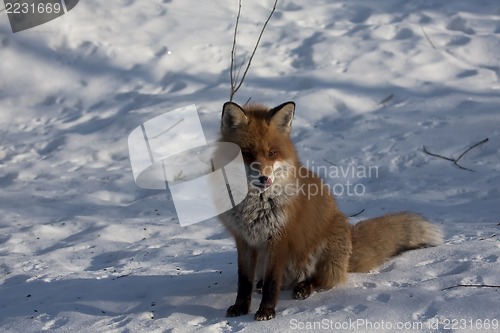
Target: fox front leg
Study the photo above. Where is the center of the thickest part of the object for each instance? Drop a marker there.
(272, 283)
(246, 271)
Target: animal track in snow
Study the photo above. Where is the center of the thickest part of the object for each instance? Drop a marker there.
(460, 24)
(55, 324)
(426, 313)
(382, 298)
(356, 309)
(369, 285)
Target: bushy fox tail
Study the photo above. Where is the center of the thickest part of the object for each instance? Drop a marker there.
(378, 239)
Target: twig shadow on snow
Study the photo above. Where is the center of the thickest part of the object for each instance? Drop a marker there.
(158, 296)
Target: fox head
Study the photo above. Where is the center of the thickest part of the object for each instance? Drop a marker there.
(263, 136)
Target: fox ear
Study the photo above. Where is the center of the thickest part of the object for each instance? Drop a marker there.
(281, 116)
(232, 116)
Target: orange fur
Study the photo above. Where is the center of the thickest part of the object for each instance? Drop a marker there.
(289, 229)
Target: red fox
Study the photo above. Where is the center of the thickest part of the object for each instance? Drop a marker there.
(288, 229)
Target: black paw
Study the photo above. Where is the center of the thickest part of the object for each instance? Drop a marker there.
(302, 290)
(258, 287)
(237, 310)
(265, 314)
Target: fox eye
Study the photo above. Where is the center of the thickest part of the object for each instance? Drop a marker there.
(272, 153)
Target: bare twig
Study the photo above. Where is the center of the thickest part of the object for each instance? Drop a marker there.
(330, 162)
(233, 55)
(471, 147)
(426, 36)
(235, 85)
(472, 286)
(358, 213)
(455, 160)
(168, 129)
(387, 99)
(122, 276)
(436, 155)
(483, 238)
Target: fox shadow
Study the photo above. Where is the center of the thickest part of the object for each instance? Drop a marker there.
(116, 295)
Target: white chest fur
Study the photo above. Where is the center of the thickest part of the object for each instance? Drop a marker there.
(259, 217)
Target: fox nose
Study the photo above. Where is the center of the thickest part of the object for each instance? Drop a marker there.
(264, 180)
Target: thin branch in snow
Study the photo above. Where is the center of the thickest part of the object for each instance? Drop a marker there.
(387, 99)
(235, 85)
(472, 286)
(122, 276)
(233, 55)
(471, 147)
(358, 213)
(330, 162)
(427, 37)
(455, 160)
(437, 155)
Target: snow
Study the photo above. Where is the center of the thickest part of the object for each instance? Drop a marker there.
(84, 249)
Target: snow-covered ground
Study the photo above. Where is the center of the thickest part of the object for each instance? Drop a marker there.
(83, 249)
